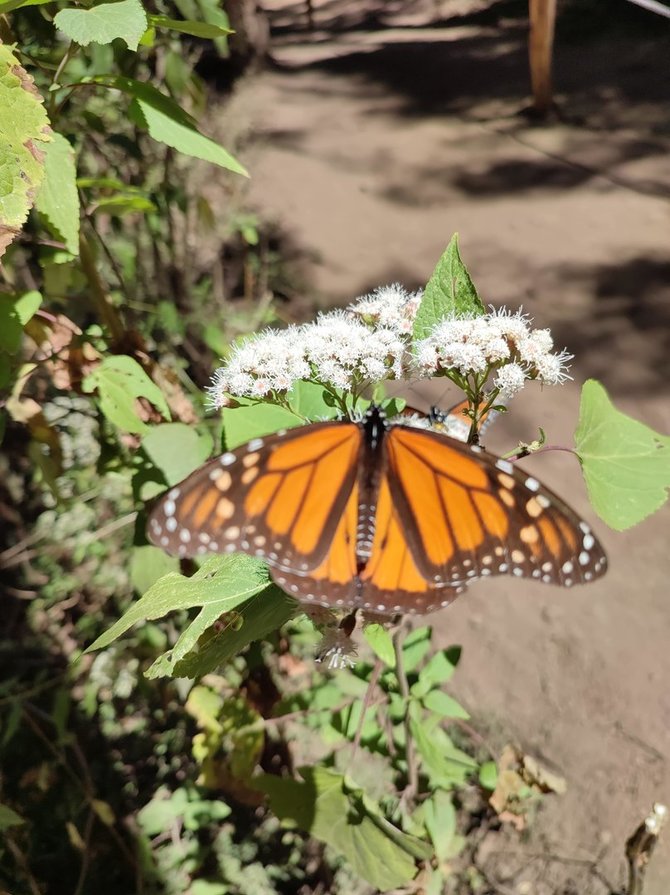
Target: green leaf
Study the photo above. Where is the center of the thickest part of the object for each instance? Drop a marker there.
(58, 199)
(439, 816)
(119, 380)
(261, 615)
(104, 23)
(165, 808)
(197, 29)
(415, 647)
(167, 122)
(124, 204)
(148, 564)
(445, 765)
(324, 806)
(488, 775)
(24, 133)
(381, 643)
(626, 465)
(439, 669)
(15, 312)
(9, 818)
(307, 400)
(439, 702)
(449, 292)
(241, 424)
(11, 5)
(221, 584)
(176, 449)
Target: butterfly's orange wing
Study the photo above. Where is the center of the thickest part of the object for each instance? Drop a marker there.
(280, 497)
(389, 582)
(466, 514)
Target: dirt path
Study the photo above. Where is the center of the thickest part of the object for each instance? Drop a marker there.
(372, 148)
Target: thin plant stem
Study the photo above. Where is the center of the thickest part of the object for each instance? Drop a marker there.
(374, 677)
(514, 455)
(412, 788)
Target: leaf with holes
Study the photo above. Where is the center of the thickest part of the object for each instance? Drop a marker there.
(626, 465)
(202, 648)
(119, 381)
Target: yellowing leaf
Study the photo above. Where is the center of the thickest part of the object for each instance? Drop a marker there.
(24, 133)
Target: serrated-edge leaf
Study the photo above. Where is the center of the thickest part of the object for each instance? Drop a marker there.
(103, 23)
(625, 464)
(222, 582)
(25, 130)
(58, 199)
(263, 614)
(449, 292)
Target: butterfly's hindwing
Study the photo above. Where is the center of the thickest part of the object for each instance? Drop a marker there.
(468, 514)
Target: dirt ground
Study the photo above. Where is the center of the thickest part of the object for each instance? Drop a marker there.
(377, 136)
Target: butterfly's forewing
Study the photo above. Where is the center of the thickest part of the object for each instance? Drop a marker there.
(280, 497)
(466, 514)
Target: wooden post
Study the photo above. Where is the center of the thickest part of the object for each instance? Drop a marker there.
(540, 50)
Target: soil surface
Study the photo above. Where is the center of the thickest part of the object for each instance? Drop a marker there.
(377, 135)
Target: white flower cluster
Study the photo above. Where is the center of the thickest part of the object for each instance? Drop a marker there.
(337, 350)
(268, 362)
(389, 306)
(371, 340)
(500, 341)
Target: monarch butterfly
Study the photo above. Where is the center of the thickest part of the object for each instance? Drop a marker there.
(376, 515)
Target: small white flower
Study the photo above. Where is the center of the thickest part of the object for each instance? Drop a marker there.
(552, 369)
(388, 306)
(508, 324)
(510, 380)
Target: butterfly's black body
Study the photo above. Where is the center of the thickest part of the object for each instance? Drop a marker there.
(371, 465)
